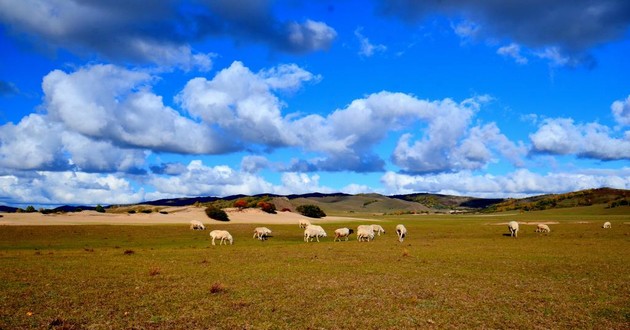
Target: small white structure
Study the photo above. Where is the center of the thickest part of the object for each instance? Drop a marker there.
(365, 233)
(341, 233)
(378, 230)
(542, 228)
(222, 235)
(261, 233)
(304, 223)
(313, 231)
(197, 225)
(401, 231)
(513, 227)
(607, 225)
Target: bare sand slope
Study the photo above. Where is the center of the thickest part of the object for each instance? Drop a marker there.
(176, 215)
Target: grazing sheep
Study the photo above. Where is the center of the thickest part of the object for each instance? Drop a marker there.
(401, 231)
(365, 233)
(197, 225)
(378, 229)
(313, 231)
(304, 223)
(223, 235)
(342, 232)
(261, 233)
(542, 228)
(513, 227)
(606, 225)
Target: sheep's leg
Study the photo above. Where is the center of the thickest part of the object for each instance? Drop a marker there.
(213, 241)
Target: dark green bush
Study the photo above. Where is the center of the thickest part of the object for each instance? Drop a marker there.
(99, 208)
(311, 211)
(216, 213)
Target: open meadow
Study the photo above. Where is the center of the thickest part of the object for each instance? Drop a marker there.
(451, 272)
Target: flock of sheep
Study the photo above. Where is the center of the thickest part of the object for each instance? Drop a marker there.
(540, 228)
(364, 233)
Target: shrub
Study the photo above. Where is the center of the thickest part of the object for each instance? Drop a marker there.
(216, 213)
(240, 204)
(311, 211)
(267, 207)
(99, 208)
(30, 209)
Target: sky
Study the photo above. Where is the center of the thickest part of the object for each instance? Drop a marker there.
(116, 102)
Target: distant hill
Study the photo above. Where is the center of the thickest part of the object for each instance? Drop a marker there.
(408, 203)
(437, 201)
(612, 197)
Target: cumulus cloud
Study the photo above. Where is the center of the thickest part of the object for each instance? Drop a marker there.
(367, 49)
(449, 144)
(242, 103)
(564, 137)
(159, 32)
(32, 144)
(519, 183)
(67, 187)
(621, 111)
(114, 104)
(572, 26)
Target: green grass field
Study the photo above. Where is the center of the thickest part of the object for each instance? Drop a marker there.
(456, 272)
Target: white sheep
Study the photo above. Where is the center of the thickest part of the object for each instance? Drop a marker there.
(261, 233)
(541, 228)
(365, 233)
(197, 225)
(304, 223)
(606, 225)
(223, 235)
(342, 232)
(513, 227)
(313, 231)
(401, 231)
(378, 229)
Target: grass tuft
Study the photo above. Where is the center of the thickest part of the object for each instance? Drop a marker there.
(217, 288)
(155, 271)
(129, 252)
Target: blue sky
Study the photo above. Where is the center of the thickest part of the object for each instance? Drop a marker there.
(125, 101)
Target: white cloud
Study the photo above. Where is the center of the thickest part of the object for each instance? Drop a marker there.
(621, 111)
(367, 49)
(58, 188)
(466, 30)
(114, 104)
(514, 51)
(201, 180)
(32, 144)
(519, 183)
(592, 140)
(311, 35)
(242, 104)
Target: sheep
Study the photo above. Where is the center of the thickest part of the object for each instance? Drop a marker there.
(540, 228)
(261, 233)
(365, 232)
(313, 231)
(304, 223)
(223, 235)
(378, 229)
(606, 225)
(402, 232)
(342, 232)
(197, 225)
(513, 227)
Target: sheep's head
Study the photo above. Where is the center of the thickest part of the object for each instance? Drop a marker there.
(350, 231)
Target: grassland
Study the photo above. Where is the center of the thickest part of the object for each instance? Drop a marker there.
(452, 272)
